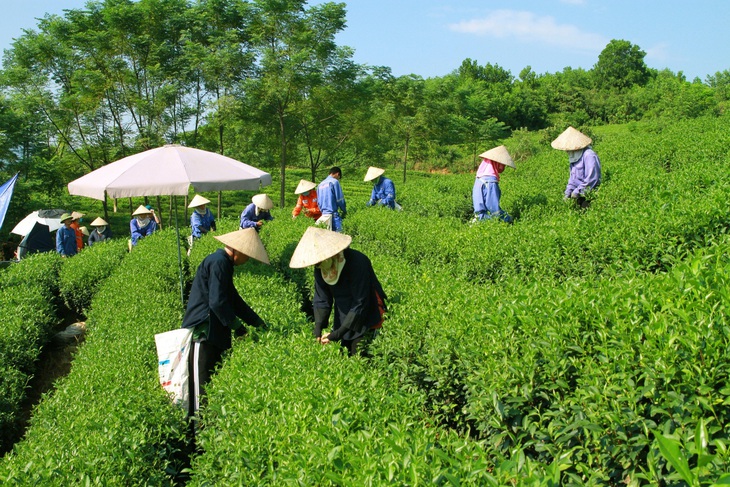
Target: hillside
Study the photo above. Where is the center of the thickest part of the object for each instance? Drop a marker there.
(573, 347)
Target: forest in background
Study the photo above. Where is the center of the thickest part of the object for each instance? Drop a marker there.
(264, 82)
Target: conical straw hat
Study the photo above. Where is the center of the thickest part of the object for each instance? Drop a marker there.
(142, 210)
(246, 241)
(316, 245)
(499, 154)
(99, 222)
(304, 186)
(263, 201)
(198, 201)
(76, 215)
(373, 172)
(571, 139)
(85, 231)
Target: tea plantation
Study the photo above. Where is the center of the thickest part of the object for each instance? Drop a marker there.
(575, 347)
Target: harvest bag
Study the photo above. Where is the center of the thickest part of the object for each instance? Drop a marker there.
(173, 349)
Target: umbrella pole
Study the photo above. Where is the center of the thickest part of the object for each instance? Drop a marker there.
(179, 257)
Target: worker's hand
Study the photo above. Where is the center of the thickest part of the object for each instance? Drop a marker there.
(324, 339)
(260, 223)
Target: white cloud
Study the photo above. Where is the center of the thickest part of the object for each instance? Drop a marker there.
(528, 27)
(658, 52)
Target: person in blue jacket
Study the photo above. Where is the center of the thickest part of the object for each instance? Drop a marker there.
(215, 309)
(258, 211)
(201, 220)
(331, 200)
(486, 193)
(383, 190)
(141, 225)
(585, 167)
(66, 237)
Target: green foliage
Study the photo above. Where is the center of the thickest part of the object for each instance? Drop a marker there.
(27, 305)
(81, 277)
(621, 65)
(114, 422)
(575, 347)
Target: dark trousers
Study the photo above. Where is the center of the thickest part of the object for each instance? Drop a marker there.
(202, 361)
(360, 345)
(582, 202)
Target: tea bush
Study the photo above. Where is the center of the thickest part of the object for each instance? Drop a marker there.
(109, 422)
(81, 277)
(28, 295)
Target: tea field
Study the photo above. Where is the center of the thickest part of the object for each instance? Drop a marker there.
(575, 347)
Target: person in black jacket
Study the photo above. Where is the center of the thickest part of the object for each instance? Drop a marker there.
(215, 309)
(344, 279)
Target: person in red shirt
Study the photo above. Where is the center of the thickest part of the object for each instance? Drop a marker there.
(76, 217)
(307, 200)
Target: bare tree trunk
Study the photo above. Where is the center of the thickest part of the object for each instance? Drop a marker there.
(405, 158)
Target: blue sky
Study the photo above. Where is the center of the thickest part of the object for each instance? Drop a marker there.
(432, 37)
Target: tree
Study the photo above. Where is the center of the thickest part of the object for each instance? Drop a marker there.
(621, 65)
(398, 110)
(295, 47)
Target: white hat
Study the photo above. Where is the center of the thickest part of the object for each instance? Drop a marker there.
(198, 201)
(76, 215)
(316, 245)
(499, 154)
(84, 231)
(246, 241)
(571, 139)
(263, 201)
(99, 222)
(142, 210)
(373, 172)
(304, 186)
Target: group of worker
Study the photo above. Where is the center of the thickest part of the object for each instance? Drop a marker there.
(584, 175)
(70, 236)
(344, 279)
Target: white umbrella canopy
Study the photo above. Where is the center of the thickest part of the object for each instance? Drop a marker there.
(169, 170)
(52, 218)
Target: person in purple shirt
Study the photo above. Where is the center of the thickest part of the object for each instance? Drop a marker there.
(141, 225)
(201, 220)
(257, 212)
(331, 200)
(585, 167)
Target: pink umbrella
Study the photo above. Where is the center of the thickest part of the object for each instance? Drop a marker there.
(169, 170)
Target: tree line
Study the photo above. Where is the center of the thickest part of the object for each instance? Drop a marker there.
(264, 81)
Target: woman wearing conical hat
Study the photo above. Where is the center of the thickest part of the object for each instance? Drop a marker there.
(585, 167)
(486, 193)
(201, 220)
(141, 225)
(307, 200)
(344, 279)
(215, 310)
(258, 211)
(383, 192)
(100, 232)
